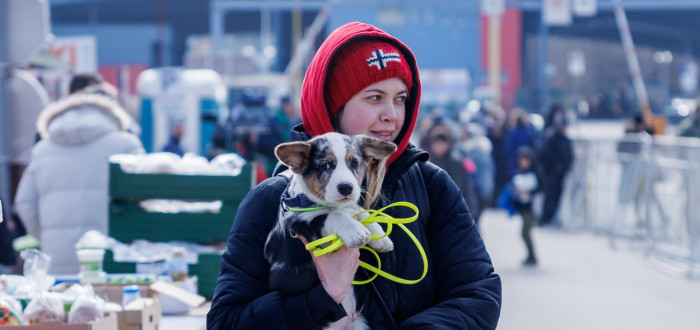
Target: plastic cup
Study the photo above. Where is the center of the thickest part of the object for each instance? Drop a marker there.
(91, 265)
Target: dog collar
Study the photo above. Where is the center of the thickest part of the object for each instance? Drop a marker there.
(299, 203)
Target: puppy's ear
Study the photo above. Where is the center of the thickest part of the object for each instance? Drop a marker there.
(294, 154)
(373, 148)
(375, 153)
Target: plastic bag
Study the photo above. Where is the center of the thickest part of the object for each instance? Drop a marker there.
(10, 311)
(93, 239)
(45, 307)
(75, 291)
(227, 164)
(85, 309)
(36, 266)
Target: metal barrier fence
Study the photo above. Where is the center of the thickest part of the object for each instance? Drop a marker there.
(642, 192)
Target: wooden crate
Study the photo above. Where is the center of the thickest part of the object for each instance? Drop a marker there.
(128, 221)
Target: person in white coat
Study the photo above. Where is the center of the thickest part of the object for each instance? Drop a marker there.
(64, 190)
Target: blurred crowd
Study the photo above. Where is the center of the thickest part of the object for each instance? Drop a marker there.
(503, 160)
(492, 155)
(486, 146)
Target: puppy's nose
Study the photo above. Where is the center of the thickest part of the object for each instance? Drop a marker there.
(345, 189)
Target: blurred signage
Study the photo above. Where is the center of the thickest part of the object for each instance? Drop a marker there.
(391, 17)
(445, 86)
(556, 12)
(585, 8)
(493, 8)
(170, 98)
(79, 52)
(29, 19)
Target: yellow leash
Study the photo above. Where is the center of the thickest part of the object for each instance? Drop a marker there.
(380, 217)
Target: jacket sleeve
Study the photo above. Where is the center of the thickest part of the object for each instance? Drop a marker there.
(242, 299)
(27, 202)
(132, 144)
(467, 291)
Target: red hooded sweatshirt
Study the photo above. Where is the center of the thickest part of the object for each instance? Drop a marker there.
(314, 112)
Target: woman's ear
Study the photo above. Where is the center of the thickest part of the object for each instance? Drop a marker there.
(294, 154)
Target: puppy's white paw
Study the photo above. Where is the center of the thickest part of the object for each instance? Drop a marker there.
(383, 244)
(355, 237)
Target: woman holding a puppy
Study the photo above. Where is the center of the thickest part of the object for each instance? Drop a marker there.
(364, 81)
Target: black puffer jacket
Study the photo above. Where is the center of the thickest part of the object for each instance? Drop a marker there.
(460, 291)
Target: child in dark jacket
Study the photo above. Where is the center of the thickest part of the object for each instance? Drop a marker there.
(525, 183)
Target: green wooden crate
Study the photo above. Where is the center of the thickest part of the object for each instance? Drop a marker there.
(128, 222)
(177, 186)
(206, 269)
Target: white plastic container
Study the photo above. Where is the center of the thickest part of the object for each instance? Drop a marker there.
(130, 293)
(179, 270)
(91, 265)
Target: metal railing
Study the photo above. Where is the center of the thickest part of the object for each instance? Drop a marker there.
(641, 191)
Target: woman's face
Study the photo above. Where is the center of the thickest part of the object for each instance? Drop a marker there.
(378, 110)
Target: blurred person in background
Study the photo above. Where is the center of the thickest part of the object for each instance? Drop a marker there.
(173, 145)
(7, 254)
(496, 133)
(636, 132)
(285, 118)
(520, 133)
(254, 130)
(440, 146)
(249, 131)
(524, 184)
(64, 190)
(477, 147)
(556, 112)
(556, 157)
(631, 153)
(11, 228)
(623, 95)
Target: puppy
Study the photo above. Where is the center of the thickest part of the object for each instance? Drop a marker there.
(320, 200)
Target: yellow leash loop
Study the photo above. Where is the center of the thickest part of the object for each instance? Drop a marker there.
(380, 217)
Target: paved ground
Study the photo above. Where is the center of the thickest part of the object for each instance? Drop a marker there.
(582, 283)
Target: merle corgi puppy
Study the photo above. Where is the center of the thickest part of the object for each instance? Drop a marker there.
(322, 196)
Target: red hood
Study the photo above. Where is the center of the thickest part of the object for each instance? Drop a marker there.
(313, 106)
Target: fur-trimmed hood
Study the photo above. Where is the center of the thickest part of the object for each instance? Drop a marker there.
(81, 118)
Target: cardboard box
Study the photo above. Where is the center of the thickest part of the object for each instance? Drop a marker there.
(206, 269)
(108, 322)
(145, 319)
(176, 298)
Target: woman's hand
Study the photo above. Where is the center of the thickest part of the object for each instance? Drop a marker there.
(336, 270)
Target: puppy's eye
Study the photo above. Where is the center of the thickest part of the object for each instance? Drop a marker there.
(354, 163)
(326, 166)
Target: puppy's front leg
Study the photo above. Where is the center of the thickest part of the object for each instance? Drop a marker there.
(383, 244)
(351, 231)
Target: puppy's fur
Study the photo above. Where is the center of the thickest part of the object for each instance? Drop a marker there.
(329, 171)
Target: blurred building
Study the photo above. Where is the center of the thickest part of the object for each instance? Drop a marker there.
(665, 43)
(256, 36)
